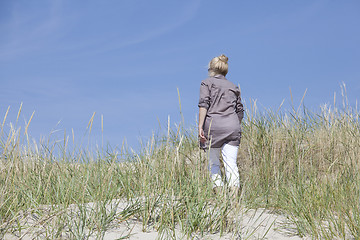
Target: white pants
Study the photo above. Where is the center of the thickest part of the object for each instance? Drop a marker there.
(229, 154)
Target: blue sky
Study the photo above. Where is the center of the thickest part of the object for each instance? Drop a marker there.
(125, 59)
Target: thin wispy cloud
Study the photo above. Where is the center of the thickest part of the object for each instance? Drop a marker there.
(28, 32)
(122, 39)
(182, 18)
(45, 31)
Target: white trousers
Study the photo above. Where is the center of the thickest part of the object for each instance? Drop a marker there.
(229, 155)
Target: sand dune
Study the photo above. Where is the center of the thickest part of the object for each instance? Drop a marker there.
(253, 224)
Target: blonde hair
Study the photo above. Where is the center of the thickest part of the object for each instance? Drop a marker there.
(218, 65)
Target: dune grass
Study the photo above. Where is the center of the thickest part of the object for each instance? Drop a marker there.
(302, 165)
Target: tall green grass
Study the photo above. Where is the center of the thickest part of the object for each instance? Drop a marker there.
(303, 165)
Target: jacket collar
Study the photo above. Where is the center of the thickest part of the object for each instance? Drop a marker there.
(219, 76)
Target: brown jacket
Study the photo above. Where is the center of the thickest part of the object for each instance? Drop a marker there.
(225, 111)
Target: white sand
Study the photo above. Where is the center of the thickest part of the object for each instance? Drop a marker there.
(254, 224)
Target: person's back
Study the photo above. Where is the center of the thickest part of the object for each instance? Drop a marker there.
(222, 102)
(220, 116)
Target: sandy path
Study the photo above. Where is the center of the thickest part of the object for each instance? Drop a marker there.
(253, 224)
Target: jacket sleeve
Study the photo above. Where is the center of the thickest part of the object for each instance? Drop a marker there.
(239, 107)
(204, 100)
